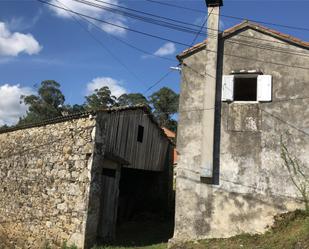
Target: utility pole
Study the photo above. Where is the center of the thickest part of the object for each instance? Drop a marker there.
(208, 119)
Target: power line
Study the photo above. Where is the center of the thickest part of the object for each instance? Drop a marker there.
(239, 184)
(175, 6)
(207, 28)
(150, 20)
(197, 32)
(116, 25)
(146, 114)
(166, 39)
(273, 101)
(285, 122)
(229, 16)
(204, 23)
(265, 47)
(165, 75)
(150, 14)
(259, 45)
(131, 114)
(290, 99)
(262, 61)
(179, 21)
(157, 82)
(143, 52)
(102, 45)
(83, 16)
(278, 118)
(179, 27)
(258, 60)
(127, 43)
(231, 40)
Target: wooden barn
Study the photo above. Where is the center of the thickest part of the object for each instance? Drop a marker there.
(136, 168)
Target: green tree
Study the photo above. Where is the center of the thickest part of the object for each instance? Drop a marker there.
(46, 104)
(76, 108)
(101, 98)
(132, 99)
(165, 105)
(3, 127)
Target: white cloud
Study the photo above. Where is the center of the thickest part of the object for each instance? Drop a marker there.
(22, 23)
(12, 44)
(113, 29)
(114, 85)
(93, 12)
(10, 107)
(167, 49)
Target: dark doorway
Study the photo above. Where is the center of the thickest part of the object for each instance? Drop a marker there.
(144, 215)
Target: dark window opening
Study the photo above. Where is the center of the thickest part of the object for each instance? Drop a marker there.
(245, 88)
(109, 172)
(140, 134)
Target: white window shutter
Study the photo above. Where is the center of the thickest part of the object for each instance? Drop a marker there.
(264, 88)
(227, 88)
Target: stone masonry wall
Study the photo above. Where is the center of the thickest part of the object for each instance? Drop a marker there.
(44, 184)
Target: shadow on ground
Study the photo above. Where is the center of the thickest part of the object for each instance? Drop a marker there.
(143, 232)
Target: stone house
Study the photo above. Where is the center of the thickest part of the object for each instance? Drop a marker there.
(69, 178)
(241, 90)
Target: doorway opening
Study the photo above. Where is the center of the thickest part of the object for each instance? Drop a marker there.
(144, 215)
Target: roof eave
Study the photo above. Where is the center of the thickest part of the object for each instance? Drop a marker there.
(246, 24)
(191, 50)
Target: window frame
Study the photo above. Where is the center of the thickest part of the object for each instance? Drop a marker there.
(263, 87)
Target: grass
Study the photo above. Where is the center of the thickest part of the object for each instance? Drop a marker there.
(290, 231)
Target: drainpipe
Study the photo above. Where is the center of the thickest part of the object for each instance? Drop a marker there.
(208, 119)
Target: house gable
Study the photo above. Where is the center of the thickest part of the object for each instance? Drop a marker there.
(241, 27)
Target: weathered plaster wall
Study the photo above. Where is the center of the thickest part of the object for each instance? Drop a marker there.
(251, 185)
(44, 184)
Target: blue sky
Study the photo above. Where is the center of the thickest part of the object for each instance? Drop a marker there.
(39, 43)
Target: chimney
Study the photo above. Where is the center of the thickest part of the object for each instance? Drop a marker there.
(214, 3)
(208, 119)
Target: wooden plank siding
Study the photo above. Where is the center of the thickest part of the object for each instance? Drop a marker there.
(122, 132)
(109, 201)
